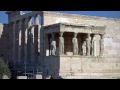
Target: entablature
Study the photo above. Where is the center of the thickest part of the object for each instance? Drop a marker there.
(76, 28)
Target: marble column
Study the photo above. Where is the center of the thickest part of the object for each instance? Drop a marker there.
(13, 48)
(101, 44)
(32, 54)
(88, 44)
(19, 40)
(37, 38)
(27, 26)
(61, 44)
(29, 39)
(36, 19)
(94, 46)
(16, 43)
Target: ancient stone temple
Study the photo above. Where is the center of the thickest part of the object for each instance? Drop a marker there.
(63, 45)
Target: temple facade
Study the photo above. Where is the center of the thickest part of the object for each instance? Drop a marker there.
(60, 45)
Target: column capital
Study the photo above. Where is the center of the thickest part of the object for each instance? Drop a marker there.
(14, 23)
(75, 34)
(52, 34)
(36, 15)
(88, 34)
(36, 19)
(26, 21)
(20, 24)
(101, 35)
(29, 21)
(94, 35)
(61, 33)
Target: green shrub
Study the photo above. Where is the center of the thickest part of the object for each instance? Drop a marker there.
(4, 69)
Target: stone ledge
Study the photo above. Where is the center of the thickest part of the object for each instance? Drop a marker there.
(76, 56)
(93, 76)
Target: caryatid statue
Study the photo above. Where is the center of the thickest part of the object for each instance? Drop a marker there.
(84, 47)
(101, 45)
(53, 46)
(75, 44)
(88, 45)
(61, 44)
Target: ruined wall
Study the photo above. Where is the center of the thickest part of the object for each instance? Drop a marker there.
(4, 41)
(89, 66)
(81, 67)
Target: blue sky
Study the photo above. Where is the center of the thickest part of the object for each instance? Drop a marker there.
(108, 14)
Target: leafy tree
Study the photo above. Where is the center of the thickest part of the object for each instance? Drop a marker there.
(4, 69)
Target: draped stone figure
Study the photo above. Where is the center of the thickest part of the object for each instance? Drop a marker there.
(101, 46)
(61, 44)
(75, 44)
(88, 45)
(53, 46)
(84, 48)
